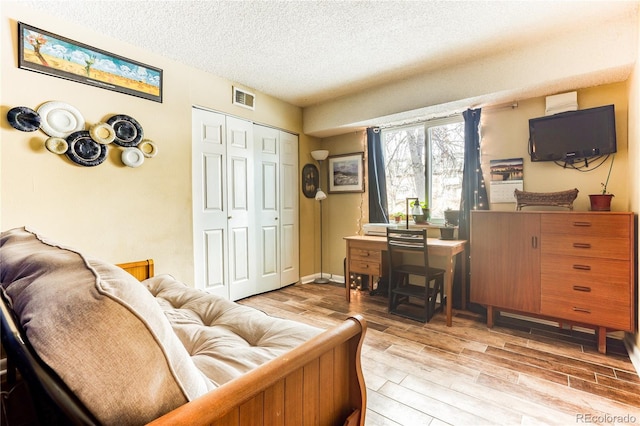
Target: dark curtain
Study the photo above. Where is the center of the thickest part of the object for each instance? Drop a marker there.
(474, 196)
(377, 181)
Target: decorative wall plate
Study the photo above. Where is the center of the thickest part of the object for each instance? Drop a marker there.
(85, 151)
(148, 148)
(102, 133)
(128, 130)
(60, 119)
(56, 145)
(132, 157)
(24, 119)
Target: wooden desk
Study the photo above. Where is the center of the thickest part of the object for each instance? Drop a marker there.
(366, 255)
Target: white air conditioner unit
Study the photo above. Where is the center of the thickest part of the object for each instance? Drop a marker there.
(561, 103)
(244, 99)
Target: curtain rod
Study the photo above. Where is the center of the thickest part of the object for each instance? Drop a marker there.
(510, 105)
(418, 120)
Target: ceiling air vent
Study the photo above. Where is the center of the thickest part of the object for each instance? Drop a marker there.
(243, 98)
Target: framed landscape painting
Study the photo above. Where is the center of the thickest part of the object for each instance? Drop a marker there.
(48, 53)
(346, 173)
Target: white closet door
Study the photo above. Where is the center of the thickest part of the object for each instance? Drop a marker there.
(209, 191)
(267, 147)
(241, 208)
(289, 181)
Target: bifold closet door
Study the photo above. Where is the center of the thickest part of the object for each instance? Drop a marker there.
(289, 209)
(223, 204)
(277, 203)
(209, 193)
(267, 151)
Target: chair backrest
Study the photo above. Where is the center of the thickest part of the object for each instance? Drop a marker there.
(54, 402)
(407, 240)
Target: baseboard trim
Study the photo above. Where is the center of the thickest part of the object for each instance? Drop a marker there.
(310, 278)
(633, 350)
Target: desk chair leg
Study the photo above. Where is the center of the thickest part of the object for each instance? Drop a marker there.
(395, 280)
(437, 291)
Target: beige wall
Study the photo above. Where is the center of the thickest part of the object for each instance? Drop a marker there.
(344, 213)
(505, 133)
(111, 211)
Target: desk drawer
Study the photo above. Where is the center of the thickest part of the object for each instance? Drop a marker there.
(365, 255)
(364, 267)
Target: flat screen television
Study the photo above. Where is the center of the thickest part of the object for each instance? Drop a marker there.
(574, 135)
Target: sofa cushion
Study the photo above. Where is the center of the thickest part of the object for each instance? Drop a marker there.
(99, 329)
(225, 339)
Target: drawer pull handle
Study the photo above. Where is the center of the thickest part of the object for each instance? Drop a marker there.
(582, 288)
(582, 267)
(582, 245)
(586, 311)
(581, 223)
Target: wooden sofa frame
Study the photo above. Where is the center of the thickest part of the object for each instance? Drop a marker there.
(318, 383)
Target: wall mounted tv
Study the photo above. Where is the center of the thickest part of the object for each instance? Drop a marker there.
(574, 135)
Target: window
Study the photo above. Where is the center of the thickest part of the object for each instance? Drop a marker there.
(425, 161)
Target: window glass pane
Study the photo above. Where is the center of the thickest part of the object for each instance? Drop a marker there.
(425, 160)
(446, 142)
(404, 165)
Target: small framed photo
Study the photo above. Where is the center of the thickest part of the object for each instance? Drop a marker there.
(346, 173)
(54, 55)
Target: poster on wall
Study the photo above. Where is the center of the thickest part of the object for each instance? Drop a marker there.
(51, 54)
(346, 173)
(507, 175)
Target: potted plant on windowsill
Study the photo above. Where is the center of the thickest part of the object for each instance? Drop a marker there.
(602, 202)
(450, 224)
(398, 217)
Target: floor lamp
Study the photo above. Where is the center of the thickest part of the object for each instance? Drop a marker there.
(320, 156)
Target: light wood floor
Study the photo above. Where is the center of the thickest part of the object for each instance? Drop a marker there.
(518, 373)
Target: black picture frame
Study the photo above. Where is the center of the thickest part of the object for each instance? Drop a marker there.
(346, 173)
(310, 180)
(47, 53)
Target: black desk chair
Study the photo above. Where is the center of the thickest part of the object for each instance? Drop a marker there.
(408, 258)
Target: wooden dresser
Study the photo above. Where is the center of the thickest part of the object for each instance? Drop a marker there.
(573, 267)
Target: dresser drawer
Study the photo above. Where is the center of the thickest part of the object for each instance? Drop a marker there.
(587, 309)
(558, 270)
(587, 224)
(591, 291)
(585, 246)
(588, 293)
(364, 267)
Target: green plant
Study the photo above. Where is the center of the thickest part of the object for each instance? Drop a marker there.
(604, 185)
(423, 204)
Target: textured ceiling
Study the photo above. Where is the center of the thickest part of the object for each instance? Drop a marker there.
(309, 52)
